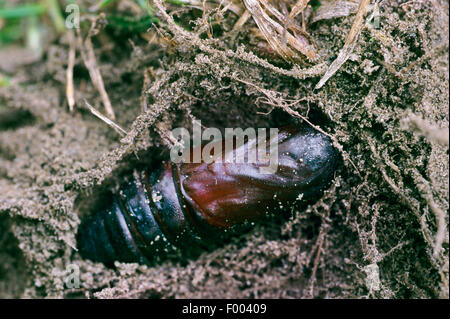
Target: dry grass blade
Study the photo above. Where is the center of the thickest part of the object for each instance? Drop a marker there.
(334, 10)
(232, 5)
(69, 73)
(349, 44)
(276, 34)
(296, 10)
(88, 56)
(242, 20)
(111, 123)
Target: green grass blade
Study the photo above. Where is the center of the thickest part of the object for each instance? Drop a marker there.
(22, 11)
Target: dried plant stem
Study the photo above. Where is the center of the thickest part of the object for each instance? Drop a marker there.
(275, 34)
(241, 21)
(431, 54)
(295, 72)
(145, 84)
(111, 123)
(318, 244)
(88, 56)
(273, 100)
(349, 44)
(69, 74)
(398, 189)
(296, 10)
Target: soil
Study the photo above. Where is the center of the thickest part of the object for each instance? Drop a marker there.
(379, 231)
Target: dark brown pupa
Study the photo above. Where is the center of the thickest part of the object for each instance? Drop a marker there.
(187, 205)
